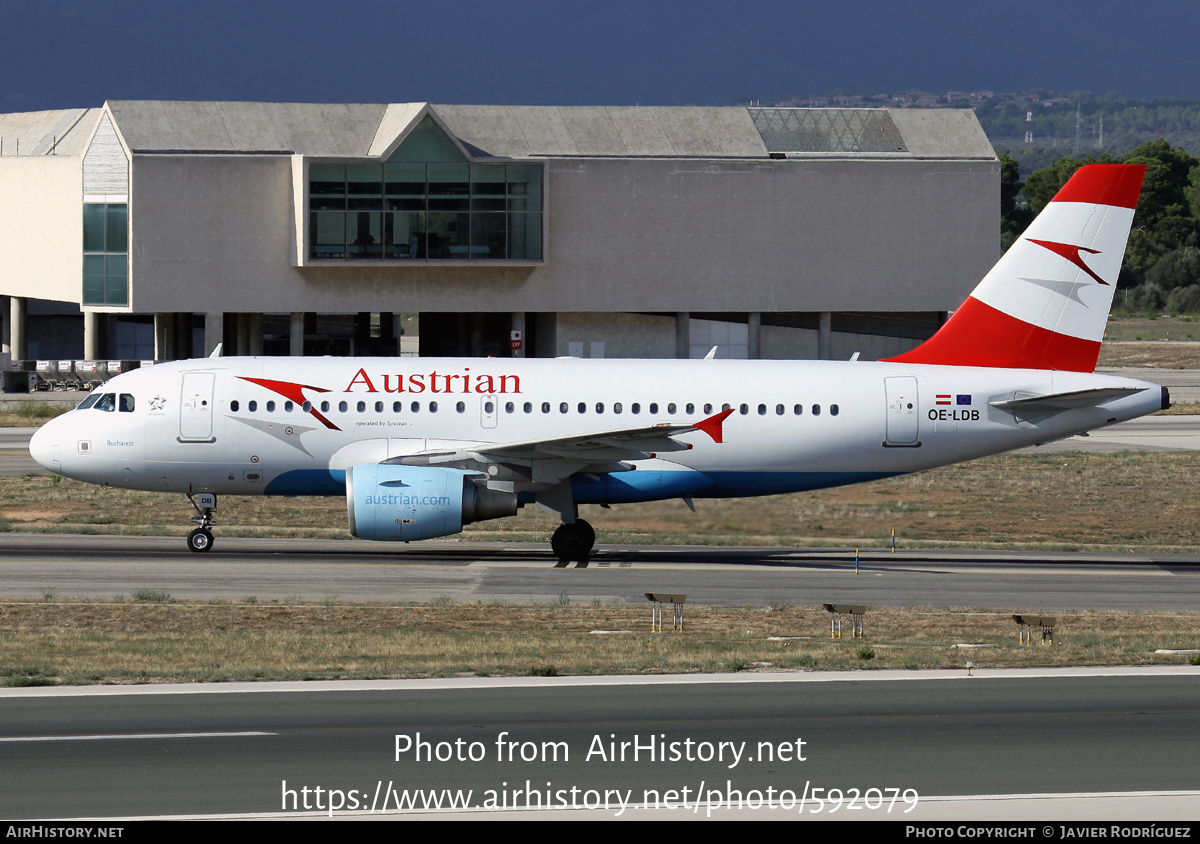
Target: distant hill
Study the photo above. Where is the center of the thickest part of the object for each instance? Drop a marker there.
(1059, 129)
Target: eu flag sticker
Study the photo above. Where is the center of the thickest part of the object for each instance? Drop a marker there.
(963, 400)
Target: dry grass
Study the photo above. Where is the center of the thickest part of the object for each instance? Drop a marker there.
(30, 413)
(1151, 355)
(124, 642)
(1187, 408)
(1134, 501)
(1132, 328)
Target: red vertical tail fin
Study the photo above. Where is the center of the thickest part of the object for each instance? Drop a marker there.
(1045, 304)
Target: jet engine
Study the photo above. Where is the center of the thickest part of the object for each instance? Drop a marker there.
(392, 502)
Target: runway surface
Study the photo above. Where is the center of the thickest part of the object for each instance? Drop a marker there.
(37, 565)
(1184, 384)
(574, 742)
(14, 452)
(1150, 433)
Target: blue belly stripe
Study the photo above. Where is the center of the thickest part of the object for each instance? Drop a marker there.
(308, 482)
(625, 487)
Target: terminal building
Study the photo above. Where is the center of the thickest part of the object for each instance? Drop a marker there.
(146, 229)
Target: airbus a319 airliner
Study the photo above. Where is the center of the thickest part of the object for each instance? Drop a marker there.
(422, 446)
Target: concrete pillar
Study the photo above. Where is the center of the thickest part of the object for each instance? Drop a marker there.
(296, 334)
(462, 336)
(824, 335)
(182, 344)
(254, 334)
(683, 335)
(5, 332)
(476, 335)
(241, 326)
(754, 343)
(386, 335)
(398, 332)
(214, 331)
(362, 333)
(164, 339)
(546, 331)
(18, 309)
(93, 342)
(518, 324)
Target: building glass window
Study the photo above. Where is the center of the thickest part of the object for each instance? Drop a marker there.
(426, 202)
(106, 254)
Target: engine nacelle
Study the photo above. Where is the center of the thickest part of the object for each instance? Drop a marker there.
(391, 502)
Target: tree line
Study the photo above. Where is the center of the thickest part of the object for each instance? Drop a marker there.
(1071, 123)
(1161, 270)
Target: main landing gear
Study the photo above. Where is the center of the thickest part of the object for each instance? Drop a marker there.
(201, 539)
(573, 542)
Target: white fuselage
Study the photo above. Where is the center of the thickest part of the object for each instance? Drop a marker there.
(201, 426)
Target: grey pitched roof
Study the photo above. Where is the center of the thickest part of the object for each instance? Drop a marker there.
(592, 131)
(942, 133)
(365, 130)
(691, 132)
(60, 132)
(220, 127)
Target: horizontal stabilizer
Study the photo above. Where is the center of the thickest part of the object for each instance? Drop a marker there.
(1066, 401)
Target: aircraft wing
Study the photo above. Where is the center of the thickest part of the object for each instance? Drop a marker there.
(547, 461)
(1066, 401)
(625, 444)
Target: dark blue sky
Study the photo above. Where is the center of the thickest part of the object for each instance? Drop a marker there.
(66, 53)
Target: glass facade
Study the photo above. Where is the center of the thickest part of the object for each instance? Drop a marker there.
(106, 254)
(425, 203)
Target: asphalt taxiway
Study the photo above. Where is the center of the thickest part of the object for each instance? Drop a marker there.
(36, 565)
(899, 746)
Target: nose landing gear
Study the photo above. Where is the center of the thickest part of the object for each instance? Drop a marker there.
(201, 539)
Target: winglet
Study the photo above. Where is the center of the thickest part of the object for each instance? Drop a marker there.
(712, 425)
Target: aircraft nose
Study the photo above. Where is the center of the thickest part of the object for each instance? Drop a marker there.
(43, 447)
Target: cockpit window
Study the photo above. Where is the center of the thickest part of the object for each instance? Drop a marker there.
(126, 403)
(88, 402)
(107, 403)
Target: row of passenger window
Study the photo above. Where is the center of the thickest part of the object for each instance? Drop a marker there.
(490, 407)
